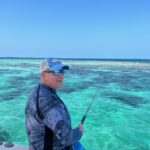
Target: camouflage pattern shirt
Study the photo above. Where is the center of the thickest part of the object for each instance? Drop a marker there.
(55, 116)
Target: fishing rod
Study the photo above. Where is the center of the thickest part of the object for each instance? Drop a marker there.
(84, 117)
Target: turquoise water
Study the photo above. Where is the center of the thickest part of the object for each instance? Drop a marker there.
(119, 117)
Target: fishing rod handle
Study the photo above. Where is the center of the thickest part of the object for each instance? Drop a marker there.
(83, 119)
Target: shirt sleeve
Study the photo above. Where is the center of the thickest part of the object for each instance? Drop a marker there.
(55, 117)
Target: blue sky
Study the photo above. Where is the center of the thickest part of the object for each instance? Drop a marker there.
(75, 28)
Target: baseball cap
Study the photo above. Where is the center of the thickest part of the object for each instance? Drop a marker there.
(51, 64)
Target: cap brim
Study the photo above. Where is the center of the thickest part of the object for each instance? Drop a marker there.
(65, 67)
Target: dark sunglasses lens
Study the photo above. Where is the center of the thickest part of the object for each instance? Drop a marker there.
(60, 72)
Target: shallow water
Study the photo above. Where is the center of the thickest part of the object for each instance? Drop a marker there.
(119, 117)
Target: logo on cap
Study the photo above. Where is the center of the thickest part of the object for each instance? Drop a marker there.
(54, 60)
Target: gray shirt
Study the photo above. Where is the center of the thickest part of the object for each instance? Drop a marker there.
(55, 116)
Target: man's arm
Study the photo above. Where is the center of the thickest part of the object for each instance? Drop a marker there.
(61, 127)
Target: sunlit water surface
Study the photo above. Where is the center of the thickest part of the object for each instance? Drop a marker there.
(119, 117)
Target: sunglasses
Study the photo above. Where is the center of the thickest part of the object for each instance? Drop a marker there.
(56, 72)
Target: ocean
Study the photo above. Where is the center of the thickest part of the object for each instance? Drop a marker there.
(119, 118)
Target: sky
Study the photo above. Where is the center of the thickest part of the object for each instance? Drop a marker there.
(75, 28)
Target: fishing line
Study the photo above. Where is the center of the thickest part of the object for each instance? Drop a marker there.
(93, 98)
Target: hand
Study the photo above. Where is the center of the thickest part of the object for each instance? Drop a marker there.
(80, 127)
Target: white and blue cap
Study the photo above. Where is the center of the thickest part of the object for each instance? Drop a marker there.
(51, 64)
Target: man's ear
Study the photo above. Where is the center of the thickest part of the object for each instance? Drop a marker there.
(43, 74)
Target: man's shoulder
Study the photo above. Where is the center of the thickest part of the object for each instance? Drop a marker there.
(47, 95)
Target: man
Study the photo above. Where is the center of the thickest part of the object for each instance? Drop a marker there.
(48, 123)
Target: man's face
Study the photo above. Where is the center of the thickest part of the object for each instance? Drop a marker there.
(53, 80)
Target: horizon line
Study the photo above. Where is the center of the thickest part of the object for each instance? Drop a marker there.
(69, 58)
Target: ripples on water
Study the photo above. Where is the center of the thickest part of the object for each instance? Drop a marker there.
(119, 117)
